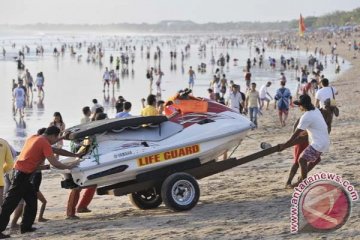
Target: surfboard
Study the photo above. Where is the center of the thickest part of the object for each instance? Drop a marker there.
(116, 124)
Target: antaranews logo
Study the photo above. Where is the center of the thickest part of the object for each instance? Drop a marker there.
(321, 203)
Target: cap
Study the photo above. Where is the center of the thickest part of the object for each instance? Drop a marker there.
(304, 100)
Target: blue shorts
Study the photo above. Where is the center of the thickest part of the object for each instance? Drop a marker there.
(191, 80)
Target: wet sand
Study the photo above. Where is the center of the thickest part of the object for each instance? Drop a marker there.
(247, 202)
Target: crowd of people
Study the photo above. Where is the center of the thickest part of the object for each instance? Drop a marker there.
(22, 187)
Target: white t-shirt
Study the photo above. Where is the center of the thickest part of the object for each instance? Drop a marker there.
(313, 122)
(324, 93)
(106, 75)
(94, 107)
(263, 91)
(234, 101)
(216, 86)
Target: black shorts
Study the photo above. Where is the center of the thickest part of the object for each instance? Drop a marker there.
(36, 180)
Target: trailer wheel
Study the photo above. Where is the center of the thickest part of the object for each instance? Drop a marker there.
(180, 192)
(145, 199)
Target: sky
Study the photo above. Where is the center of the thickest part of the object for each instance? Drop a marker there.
(154, 11)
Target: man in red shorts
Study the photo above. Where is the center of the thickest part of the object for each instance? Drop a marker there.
(315, 126)
(298, 149)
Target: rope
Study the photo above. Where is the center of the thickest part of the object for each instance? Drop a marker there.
(95, 151)
(233, 150)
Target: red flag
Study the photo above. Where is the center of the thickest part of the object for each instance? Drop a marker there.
(301, 26)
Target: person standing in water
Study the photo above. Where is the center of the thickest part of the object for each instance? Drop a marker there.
(191, 78)
(40, 83)
(106, 79)
(19, 98)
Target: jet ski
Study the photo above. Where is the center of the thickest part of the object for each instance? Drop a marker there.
(119, 150)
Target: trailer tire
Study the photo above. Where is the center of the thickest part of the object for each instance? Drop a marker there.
(145, 199)
(180, 192)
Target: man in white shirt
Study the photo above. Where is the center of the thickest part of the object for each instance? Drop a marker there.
(19, 97)
(234, 100)
(263, 95)
(315, 126)
(95, 106)
(324, 93)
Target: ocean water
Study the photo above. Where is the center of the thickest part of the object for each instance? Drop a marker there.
(71, 82)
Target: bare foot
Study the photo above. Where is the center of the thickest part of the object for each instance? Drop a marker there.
(294, 185)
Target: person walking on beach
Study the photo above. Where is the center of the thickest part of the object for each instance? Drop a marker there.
(191, 78)
(35, 150)
(215, 86)
(315, 126)
(160, 74)
(282, 101)
(106, 79)
(253, 103)
(223, 85)
(247, 77)
(40, 83)
(234, 100)
(263, 95)
(29, 82)
(19, 98)
(117, 65)
(325, 96)
(324, 93)
(150, 76)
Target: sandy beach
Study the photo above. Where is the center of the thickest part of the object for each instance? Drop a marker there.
(247, 202)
